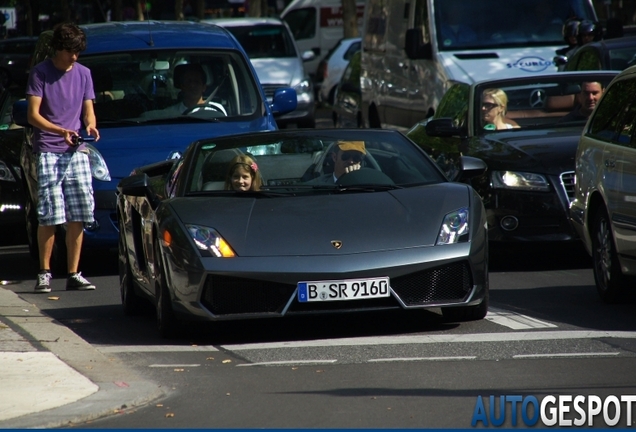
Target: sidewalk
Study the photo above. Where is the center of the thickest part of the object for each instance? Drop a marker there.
(50, 377)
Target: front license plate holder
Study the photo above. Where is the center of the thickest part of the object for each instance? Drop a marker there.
(342, 290)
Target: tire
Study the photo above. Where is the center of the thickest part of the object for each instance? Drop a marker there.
(167, 323)
(610, 282)
(131, 302)
(466, 313)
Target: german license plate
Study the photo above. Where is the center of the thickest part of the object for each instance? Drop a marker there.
(349, 289)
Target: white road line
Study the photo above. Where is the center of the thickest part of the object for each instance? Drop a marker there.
(288, 362)
(153, 348)
(405, 359)
(515, 321)
(173, 365)
(440, 338)
(584, 354)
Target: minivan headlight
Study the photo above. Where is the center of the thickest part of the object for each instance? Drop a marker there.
(303, 87)
(520, 181)
(99, 169)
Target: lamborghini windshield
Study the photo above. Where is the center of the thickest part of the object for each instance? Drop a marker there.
(309, 161)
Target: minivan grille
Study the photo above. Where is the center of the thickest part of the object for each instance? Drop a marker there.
(568, 181)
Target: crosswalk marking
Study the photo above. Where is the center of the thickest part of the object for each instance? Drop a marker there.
(582, 354)
(515, 321)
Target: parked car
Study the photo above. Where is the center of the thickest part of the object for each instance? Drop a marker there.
(331, 68)
(603, 211)
(301, 245)
(271, 48)
(11, 186)
(346, 111)
(530, 179)
(608, 54)
(136, 67)
(15, 59)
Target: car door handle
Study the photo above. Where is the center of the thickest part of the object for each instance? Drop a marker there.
(609, 163)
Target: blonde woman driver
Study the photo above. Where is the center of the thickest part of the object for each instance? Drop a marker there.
(494, 106)
(243, 175)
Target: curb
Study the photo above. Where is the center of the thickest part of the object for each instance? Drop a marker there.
(119, 388)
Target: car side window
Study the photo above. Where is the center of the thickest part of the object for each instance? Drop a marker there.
(454, 104)
(302, 23)
(589, 60)
(615, 117)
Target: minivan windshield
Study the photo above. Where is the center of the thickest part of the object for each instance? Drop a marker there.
(264, 41)
(188, 85)
(489, 24)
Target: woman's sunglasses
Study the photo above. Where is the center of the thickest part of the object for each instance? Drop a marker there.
(352, 155)
(489, 105)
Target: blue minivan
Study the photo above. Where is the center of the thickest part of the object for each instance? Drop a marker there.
(136, 67)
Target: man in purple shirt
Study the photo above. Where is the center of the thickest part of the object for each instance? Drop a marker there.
(60, 93)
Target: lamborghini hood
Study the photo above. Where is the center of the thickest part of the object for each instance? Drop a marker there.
(308, 225)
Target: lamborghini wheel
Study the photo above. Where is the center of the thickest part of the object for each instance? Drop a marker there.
(131, 302)
(166, 321)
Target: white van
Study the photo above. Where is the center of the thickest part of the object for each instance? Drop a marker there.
(317, 26)
(412, 50)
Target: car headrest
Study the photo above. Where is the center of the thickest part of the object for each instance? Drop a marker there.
(102, 80)
(180, 70)
(560, 103)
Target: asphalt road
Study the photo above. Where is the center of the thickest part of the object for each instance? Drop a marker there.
(546, 333)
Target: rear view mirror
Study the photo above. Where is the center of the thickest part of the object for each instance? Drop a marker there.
(154, 65)
(308, 55)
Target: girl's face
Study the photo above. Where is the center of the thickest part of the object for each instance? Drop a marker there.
(241, 179)
(489, 109)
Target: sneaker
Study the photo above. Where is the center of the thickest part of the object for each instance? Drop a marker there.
(78, 282)
(43, 284)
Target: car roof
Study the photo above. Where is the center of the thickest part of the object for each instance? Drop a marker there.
(242, 22)
(610, 44)
(556, 76)
(143, 35)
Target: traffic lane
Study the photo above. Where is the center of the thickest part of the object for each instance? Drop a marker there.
(402, 395)
(565, 297)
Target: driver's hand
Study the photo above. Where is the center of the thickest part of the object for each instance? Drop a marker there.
(352, 168)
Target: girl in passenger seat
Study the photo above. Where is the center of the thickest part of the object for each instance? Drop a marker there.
(243, 175)
(494, 107)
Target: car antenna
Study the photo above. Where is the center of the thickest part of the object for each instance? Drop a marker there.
(150, 41)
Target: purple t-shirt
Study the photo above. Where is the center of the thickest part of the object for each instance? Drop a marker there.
(63, 94)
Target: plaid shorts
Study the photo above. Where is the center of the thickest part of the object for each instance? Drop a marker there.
(65, 188)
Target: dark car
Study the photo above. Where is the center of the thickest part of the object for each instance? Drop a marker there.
(346, 111)
(11, 178)
(609, 54)
(136, 67)
(530, 179)
(393, 234)
(15, 60)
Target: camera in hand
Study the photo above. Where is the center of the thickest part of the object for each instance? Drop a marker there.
(78, 139)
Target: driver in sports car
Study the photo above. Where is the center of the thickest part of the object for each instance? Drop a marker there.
(346, 159)
(192, 84)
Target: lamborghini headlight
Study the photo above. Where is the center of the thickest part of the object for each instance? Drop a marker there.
(520, 181)
(99, 169)
(454, 228)
(209, 242)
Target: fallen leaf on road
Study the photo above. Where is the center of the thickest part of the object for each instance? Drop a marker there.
(159, 405)
(227, 394)
(319, 371)
(53, 298)
(227, 361)
(179, 370)
(210, 358)
(169, 415)
(295, 368)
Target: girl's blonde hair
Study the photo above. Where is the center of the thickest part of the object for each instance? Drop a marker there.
(249, 164)
(499, 96)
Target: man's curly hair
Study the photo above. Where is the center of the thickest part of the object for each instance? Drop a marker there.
(68, 37)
